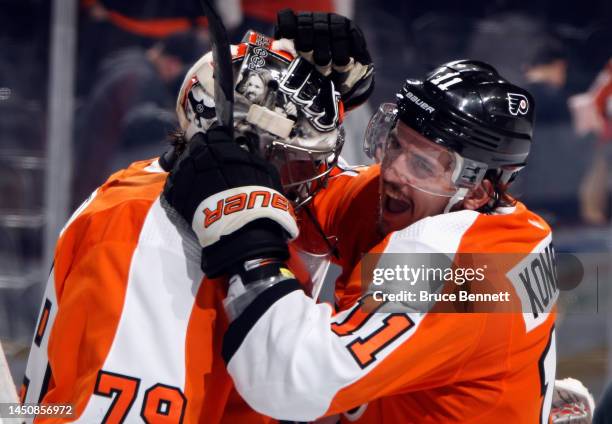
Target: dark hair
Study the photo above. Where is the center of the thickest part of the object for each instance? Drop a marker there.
(501, 197)
(178, 141)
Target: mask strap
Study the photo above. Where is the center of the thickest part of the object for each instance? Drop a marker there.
(457, 197)
(458, 167)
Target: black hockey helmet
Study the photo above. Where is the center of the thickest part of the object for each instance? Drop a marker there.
(467, 107)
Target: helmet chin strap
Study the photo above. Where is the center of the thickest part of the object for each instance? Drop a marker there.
(457, 197)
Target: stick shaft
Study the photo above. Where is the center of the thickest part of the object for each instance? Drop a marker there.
(223, 72)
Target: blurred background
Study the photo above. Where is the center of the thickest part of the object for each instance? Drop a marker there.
(88, 86)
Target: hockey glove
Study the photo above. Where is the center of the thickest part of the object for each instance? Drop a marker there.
(232, 200)
(571, 403)
(335, 45)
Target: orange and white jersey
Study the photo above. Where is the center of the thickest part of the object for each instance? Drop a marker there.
(346, 211)
(291, 358)
(129, 329)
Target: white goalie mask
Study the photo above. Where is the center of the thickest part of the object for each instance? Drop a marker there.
(287, 110)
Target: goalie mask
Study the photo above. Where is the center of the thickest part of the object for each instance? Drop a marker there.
(283, 108)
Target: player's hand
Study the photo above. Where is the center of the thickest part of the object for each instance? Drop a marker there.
(572, 403)
(336, 46)
(233, 201)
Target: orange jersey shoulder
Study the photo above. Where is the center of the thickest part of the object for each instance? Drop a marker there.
(346, 214)
(127, 285)
(498, 364)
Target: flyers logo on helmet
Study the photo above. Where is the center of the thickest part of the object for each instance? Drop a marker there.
(241, 201)
(517, 103)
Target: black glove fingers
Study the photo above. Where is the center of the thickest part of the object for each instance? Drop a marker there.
(231, 156)
(321, 39)
(286, 25)
(304, 38)
(331, 37)
(211, 164)
(358, 45)
(260, 170)
(340, 42)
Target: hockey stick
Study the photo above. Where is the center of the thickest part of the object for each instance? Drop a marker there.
(223, 72)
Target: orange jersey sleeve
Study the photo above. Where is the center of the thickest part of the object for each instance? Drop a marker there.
(345, 212)
(129, 324)
(291, 358)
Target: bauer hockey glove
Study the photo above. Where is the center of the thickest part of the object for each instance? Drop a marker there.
(233, 201)
(336, 46)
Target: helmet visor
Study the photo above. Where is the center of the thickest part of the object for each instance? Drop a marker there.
(420, 163)
(424, 164)
(378, 130)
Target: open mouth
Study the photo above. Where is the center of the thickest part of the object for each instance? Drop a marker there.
(395, 205)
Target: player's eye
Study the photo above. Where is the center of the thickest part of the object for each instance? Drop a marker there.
(421, 166)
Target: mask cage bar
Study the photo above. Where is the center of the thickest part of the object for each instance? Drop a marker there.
(306, 189)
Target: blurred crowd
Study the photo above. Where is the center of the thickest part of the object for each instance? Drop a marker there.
(131, 58)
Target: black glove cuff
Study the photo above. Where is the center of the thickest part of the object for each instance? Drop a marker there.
(262, 238)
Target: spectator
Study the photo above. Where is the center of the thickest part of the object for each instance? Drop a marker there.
(592, 114)
(155, 19)
(547, 70)
(127, 80)
(107, 26)
(145, 133)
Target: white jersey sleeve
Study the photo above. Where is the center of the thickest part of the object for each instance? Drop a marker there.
(291, 358)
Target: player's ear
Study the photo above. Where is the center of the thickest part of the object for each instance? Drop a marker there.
(478, 196)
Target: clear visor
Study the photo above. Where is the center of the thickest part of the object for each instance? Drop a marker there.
(420, 163)
(413, 159)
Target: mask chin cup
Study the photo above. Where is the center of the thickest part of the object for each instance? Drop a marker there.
(270, 121)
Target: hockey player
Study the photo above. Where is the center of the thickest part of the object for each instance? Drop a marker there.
(450, 147)
(130, 328)
(118, 335)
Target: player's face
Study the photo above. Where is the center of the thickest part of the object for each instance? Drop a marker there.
(254, 89)
(415, 179)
